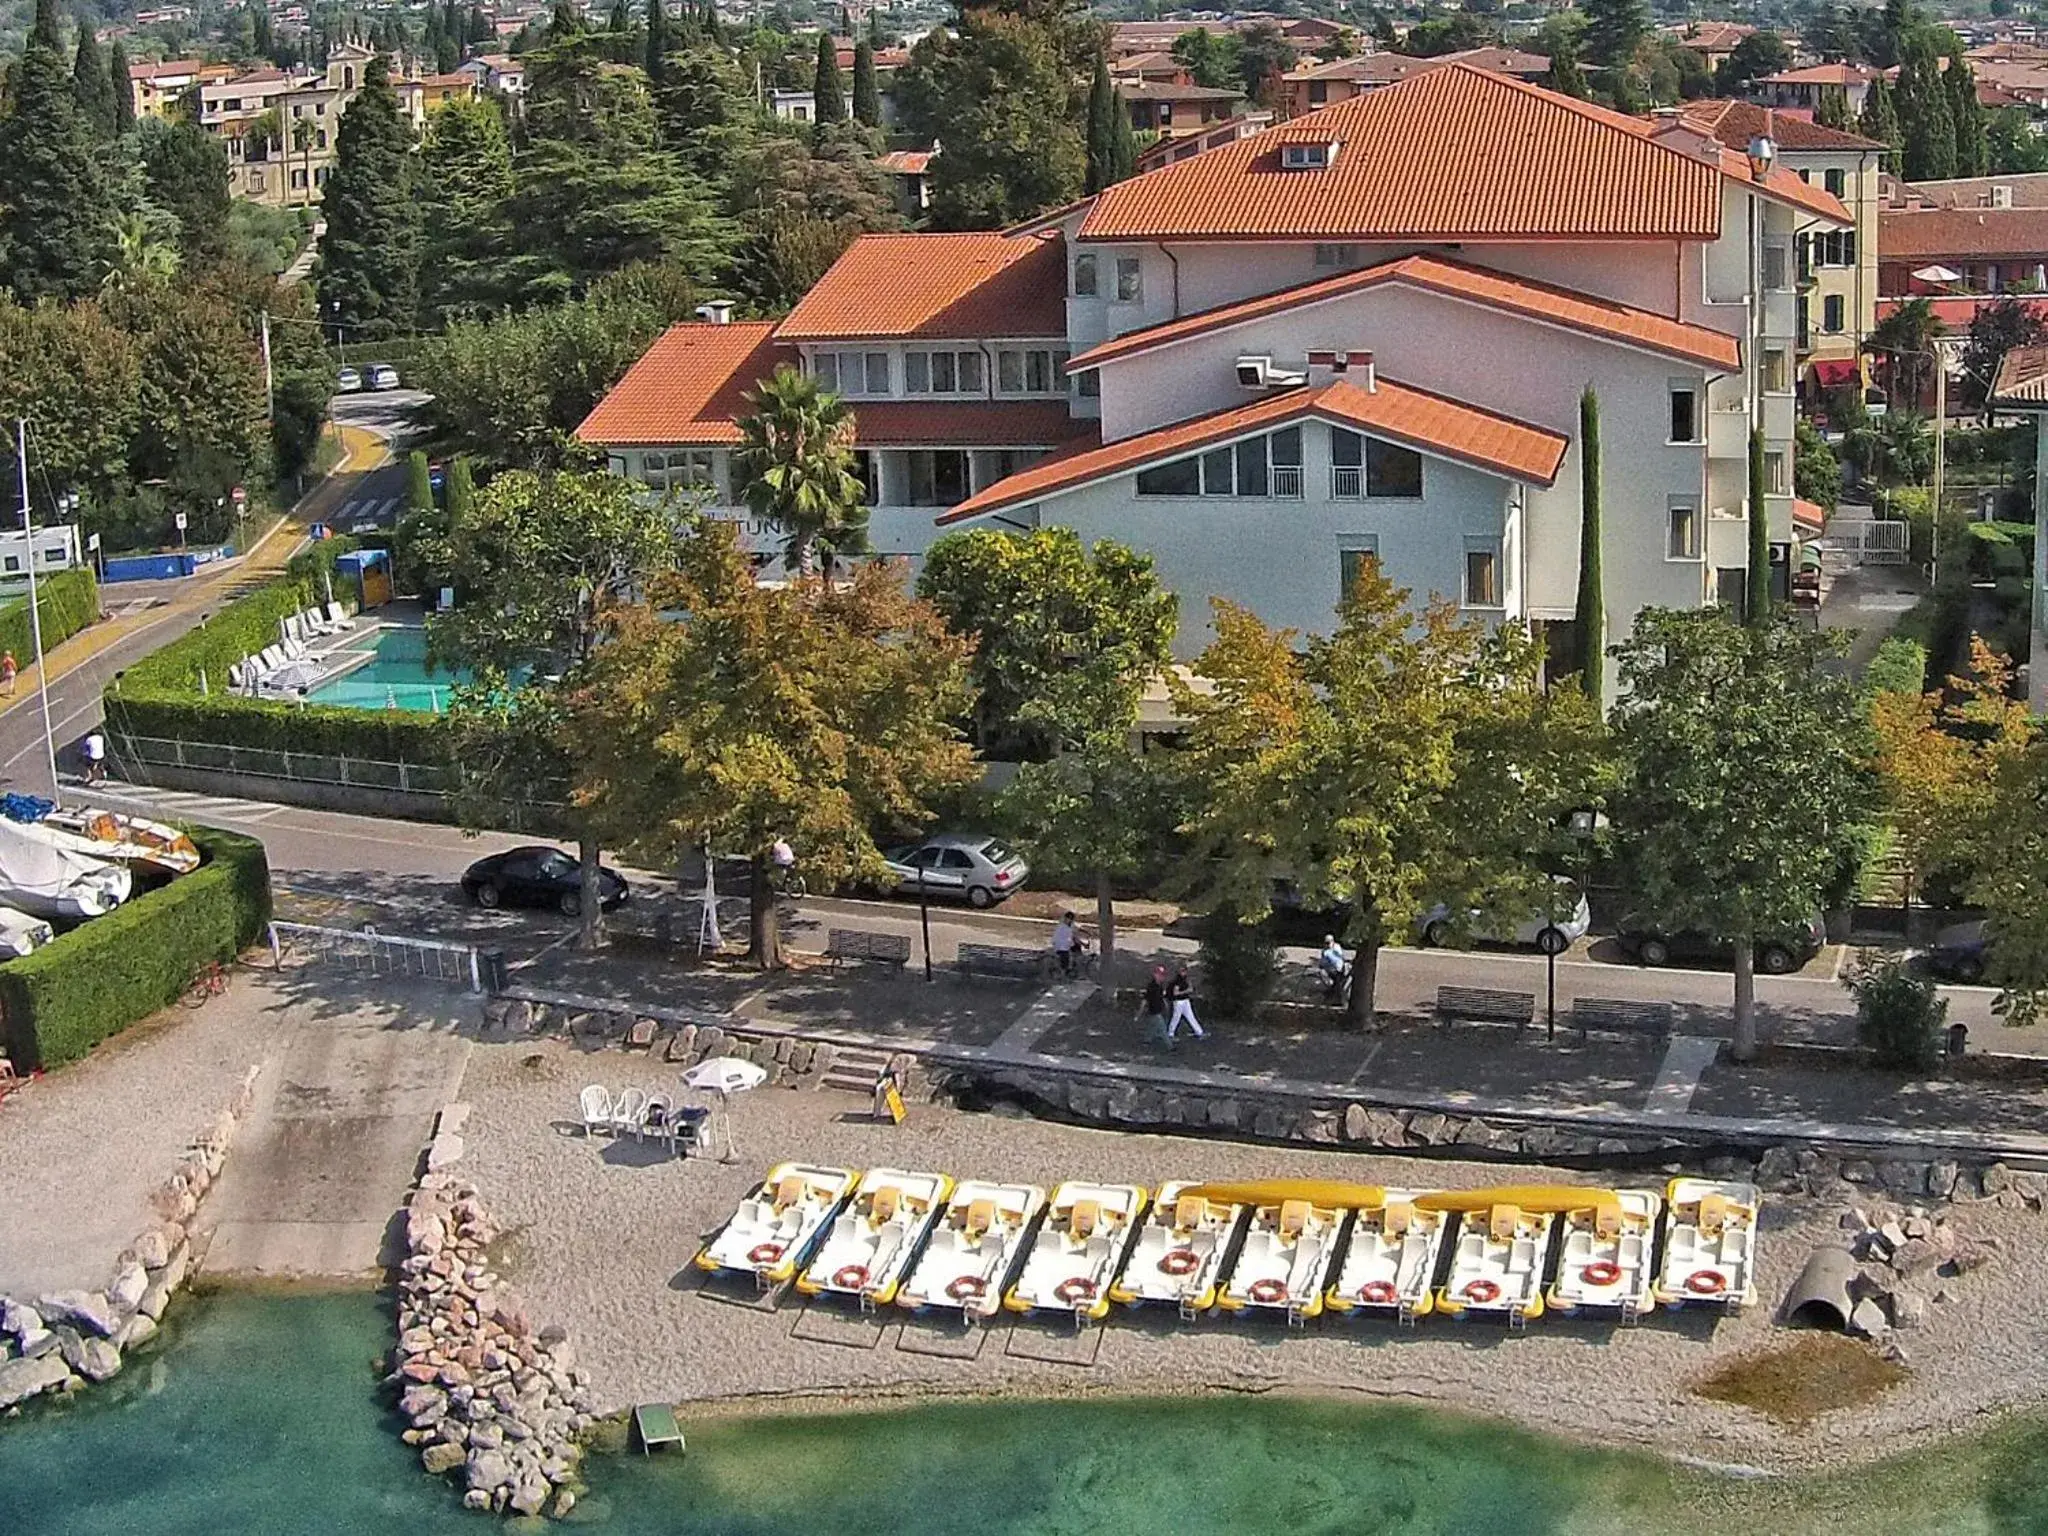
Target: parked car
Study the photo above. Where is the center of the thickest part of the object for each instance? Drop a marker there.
(1776, 953)
(538, 877)
(967, 866)
(347, 381)
(383, 376)
(1960, 952)
(1572, 919)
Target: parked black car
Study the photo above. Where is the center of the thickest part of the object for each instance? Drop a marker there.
(1960, 952)
(538, 877)
(1776, 953)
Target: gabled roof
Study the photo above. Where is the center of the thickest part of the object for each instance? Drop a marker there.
(1983, 233)
(1430, 423)
(937, 286)
(1452, 154)
(2023, 376)
(1521, 296)
(1735, 123)
(1385, 68)
(1168, 90)
(1824, 74)
(686, 388)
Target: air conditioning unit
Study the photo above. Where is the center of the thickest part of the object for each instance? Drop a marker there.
(1259, 373)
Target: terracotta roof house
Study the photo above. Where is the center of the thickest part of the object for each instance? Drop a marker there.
(1170, 108)
(1713, 41)
(1317, 85)
(1359, 336)
(1802, 88)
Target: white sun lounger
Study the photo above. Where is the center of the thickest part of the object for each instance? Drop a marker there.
(338, 617)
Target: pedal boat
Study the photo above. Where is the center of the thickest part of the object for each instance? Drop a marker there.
(774, 1228)
(1284, 1260)
(874, 1239)
(972, 1250)
(1078, 1250)
(1709, 1244)
(1389, 1259)
(1179, 1251)
(1502, 1239)
(1605, 1262)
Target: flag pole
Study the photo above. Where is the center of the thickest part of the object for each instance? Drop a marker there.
(35, 618)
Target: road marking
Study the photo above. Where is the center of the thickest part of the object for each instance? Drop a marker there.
(1679, 1078)
(1359, 1075)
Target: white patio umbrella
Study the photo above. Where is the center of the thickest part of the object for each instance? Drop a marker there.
(1938, 274)
(725, 1076)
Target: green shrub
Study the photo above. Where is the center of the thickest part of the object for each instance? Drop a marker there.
(243, 628)
(102, 976)
(1899, 666)
(1899, 1015)
(1240, 962)
(67, 602)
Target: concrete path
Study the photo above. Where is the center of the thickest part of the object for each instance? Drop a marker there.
(342, 1114)
(1679, 1078)
(1055, 1004)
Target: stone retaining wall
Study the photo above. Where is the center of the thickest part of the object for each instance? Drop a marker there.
(59, 1342)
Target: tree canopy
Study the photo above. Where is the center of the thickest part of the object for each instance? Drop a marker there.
(368, 271)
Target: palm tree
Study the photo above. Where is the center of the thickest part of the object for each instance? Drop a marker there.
(302, 141)
(794, 467)
(144, 256)
(1905, 338)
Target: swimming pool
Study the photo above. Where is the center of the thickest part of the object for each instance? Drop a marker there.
(395, 676)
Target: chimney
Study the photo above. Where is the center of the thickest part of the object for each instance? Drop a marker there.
(716, 312)
(1362, 372)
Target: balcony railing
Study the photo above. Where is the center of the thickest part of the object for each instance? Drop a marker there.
(1347, 482)
(1287, 482)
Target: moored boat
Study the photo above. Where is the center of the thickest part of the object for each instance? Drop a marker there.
(152, 845)
(1606, 1262)
(1179, 1250)
(43, 873)
(1709, 1244)
(1078, 1250)
(21, 934)
(775, 1227)
(874, 1239)
(1499, 1251)
(974, 1247)
(1389, 1259)
(1284, 1260)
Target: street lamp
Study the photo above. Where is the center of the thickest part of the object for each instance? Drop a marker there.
(1580, 826)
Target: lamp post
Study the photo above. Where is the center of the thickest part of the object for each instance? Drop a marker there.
(1580, 825)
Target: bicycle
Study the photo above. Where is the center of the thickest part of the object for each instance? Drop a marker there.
(210, 981)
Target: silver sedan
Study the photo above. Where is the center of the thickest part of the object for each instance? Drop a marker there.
(960, 866)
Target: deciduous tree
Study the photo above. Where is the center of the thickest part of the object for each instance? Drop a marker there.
(1757, 602)
(1747, 767)
(186, 171)
(2011, 879)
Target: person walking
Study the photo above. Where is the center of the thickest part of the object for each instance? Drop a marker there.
(1181, 993)
(9, 670)
(1065, 939)
(1152, 1011)
(95, 758)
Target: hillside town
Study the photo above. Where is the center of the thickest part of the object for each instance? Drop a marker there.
(716, 721)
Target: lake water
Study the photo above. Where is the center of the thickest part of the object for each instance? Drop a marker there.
(261, 1414)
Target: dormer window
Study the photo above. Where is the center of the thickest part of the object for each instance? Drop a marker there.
(1310, 155)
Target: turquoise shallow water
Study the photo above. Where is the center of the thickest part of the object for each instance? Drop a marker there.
(397, 674)
(260, 1414)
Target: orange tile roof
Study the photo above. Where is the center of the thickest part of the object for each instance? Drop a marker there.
(1522, 296)
(686, 388)
(1735, 123)
(962, 286)
(1977, 233)
(1431, 423)
(1451, 154)
(965, 424)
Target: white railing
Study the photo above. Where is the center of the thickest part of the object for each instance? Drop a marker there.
(1347, 482)
(378, 954)
(1287, 482)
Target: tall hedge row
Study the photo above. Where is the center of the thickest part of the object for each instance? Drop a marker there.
(67, 602)
(96, 980)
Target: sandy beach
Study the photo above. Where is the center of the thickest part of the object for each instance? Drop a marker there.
(599, 1237)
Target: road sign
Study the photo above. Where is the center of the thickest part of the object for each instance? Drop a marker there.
(241, 494)
(1552, 941)
(894, 1100)
(180, 522)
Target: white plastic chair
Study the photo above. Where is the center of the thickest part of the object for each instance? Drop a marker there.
(657, 1119)
(597, 1110)
(629, 1111)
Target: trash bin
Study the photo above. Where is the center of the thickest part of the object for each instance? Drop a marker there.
(1958, 1039)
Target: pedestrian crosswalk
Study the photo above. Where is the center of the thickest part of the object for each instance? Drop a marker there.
(177, 804)
(361, 513)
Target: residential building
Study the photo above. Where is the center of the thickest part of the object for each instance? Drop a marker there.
(1316, 85)
(498, 73)
(1171, 110)
(793, 106)
(1210, 136)
(1161, 68)
(1801, 89)
(156, 88)
(910, 174)
(1362, 336)
(1713, 41)
(1962, 251)
(1838, 267)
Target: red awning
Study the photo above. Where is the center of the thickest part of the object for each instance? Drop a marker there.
(1832, 372)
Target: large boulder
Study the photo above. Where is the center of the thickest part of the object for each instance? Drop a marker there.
(94, 1359)
(153, 1249)
(489, 1469)
(19, 1319)
(442, 1457)
(138, 1330)
(129, 1285)
(90, 1309)
(21, 1380)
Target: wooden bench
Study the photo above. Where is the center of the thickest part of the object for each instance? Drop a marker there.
(1484, 1005)
(1618, 1016)
(863, 948)
(1004, 962)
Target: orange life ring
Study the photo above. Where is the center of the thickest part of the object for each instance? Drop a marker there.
(1481, 1291)
(1706, 1282)
(850, 1277)
(1180, 1261)
(967, 1288)
(764, 1253)
(1266, 1292)
(1075, 1289)
(1600, 1272)
(1378, 1293)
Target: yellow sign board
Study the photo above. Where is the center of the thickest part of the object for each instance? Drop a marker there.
(894, 1101)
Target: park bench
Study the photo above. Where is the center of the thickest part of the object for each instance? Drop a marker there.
(1484, 1005)
(1618, 1016)
(1004, 962)
(855, 945)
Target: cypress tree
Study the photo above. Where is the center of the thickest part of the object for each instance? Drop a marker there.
(867, 94)
(1833, 111)
(828, 95)
(419, 484)
(564, 21)
(658, 43)
(461, 490)
(876, 39)
(1966, 113)
(1592, 604)
(1880, 121)
(1759, 588)
(1566, 78)
(368, 270)
(1927, 124)
(124, 88)
(56, 224)
(1112, 146)
(91, 84)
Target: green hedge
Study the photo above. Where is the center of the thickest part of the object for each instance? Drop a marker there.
(66, 602)
(103, 975)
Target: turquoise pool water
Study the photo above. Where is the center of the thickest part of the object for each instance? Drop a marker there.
(395, 677)
(261, 1414)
